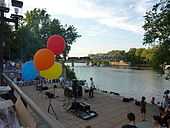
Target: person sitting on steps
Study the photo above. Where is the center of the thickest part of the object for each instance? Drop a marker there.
(131, 118)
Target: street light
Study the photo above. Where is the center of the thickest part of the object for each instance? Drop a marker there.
(14, 18)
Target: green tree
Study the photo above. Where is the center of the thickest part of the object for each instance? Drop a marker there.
(157, 24)
(40, 23)
(157, 32)
(138, 53)
(131, 56)
(6, 39)
(27, 43)
(34, 31)
(147, 55)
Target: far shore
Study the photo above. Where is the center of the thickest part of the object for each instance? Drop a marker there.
(121, 65)
(129, 67)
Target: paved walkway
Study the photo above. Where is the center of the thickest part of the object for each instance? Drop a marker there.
(111, 110)
(145, 124)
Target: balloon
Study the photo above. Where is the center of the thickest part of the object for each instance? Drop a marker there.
(43, 59)
(56, 44)
(28, 71)
(52, 73)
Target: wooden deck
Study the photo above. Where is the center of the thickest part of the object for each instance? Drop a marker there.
(111, 110)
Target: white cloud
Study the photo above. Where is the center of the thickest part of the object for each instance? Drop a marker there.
(141, 6)
(87, 9)
(122, 24)
(74, 8)
(83, 51)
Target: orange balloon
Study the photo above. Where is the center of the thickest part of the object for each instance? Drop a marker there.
(43, 59)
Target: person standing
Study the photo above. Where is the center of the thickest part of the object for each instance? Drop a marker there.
(92, 87)
(143, 108)
(153, 100)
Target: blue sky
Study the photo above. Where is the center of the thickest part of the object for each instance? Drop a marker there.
(104, 24)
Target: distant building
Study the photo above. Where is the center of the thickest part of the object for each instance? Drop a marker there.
(120, 63)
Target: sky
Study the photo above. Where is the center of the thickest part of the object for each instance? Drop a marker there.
(104, 25)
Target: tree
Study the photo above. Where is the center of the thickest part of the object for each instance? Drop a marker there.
(33, 33)
(117, 55)
(27, 43)
(147, 55)
(40, 23)
(131, 56)
(157, 32)
(6, 37)
(157, 24)
(70, 36)
(138, 53)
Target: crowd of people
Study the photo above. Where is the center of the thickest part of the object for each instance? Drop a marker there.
(161, 120)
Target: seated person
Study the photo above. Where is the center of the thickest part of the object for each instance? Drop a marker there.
(163, 117)
(157, 122)
(131, 118)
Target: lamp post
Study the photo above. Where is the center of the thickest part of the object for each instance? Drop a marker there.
(3, 19)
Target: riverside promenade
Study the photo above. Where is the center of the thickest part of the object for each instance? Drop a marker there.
(110, 108)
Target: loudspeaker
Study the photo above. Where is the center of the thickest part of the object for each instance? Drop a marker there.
(77, 89)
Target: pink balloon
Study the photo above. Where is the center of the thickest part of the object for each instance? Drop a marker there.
(56, 44)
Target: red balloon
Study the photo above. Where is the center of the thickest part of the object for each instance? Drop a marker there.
(56, 44)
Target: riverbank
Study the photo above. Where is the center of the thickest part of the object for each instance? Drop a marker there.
(140, 68)
(110, 108)
(126, 82)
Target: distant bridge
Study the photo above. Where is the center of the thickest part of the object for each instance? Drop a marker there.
(78, 60)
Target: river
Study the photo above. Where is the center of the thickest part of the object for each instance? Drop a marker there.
(127, 82)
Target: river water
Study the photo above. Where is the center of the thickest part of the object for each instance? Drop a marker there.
(127, 82)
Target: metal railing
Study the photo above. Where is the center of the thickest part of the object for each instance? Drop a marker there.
(51, 122)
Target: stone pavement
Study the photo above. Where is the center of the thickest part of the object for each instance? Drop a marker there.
(145, 124)
(111, 110)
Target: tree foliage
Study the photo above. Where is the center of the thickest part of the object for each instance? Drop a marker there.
(40, 22)
(6, 39)
(135, 56)
(34, 31)
(157, 24)
(157, 32)
(141, 56)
